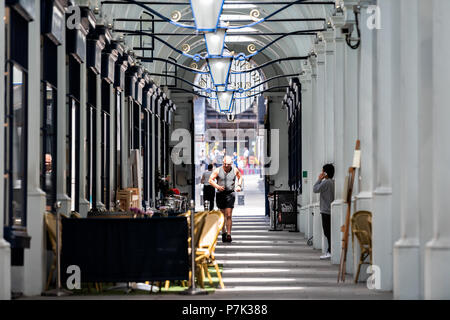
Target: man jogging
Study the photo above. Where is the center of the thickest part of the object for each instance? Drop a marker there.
(225, 197)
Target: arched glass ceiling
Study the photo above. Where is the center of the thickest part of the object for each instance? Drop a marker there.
(289, 46)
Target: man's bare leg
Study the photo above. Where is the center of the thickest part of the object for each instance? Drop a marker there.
(224, 230)
(229, 221)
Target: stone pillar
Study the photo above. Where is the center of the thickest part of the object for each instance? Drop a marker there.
(306, 148)
(124, 131)
(62, 125)
(312, 156)
(112, 149)
(338, 206)
(365, 112)
(351, 92)
(5, 249)
(437, 258)
(98, 147)
(84, 204)
(319, 141)
(407, 249)
(34, 269)
(386, 101)
(330, 68)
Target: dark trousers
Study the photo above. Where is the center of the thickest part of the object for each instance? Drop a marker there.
(326, 225)
(209, 193)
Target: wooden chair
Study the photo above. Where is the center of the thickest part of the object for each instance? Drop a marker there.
(362, 229)
(207, 245)
(50, 223)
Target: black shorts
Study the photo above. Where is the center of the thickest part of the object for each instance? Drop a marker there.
(225, 199)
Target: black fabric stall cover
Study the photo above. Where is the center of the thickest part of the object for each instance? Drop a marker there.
(126, 250)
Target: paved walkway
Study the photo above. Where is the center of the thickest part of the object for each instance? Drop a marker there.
(260, 264)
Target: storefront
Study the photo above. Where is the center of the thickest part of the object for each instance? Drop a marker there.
(17, 16)
(292, 101)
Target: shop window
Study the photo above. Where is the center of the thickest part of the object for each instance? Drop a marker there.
(15, 143)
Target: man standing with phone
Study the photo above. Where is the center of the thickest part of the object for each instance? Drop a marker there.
(226, 179)
(325, 186)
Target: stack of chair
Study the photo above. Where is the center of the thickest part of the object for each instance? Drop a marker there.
(207, 226)
(204, 255)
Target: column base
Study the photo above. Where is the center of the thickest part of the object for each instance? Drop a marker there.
(437, 276)
(35, 262)
(406, 262)
(66, 204)
(309, 222)
(317, 228)
(5, 270)
(337, 220)
(303, 227)
(382, 236)
(84, 208)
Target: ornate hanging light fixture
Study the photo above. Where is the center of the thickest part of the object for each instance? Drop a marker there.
(220, 70)
(225, 100)
(206, 14)
(215, 42)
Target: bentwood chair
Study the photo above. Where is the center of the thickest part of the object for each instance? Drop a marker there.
(50, 224)
(362, 229)
(207, 245)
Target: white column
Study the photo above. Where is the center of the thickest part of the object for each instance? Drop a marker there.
(124, 132)
(437, 260)
(329, 115)
(152, 156)
(407, 249)
(112, 149)
(34, 258)
(351, 92)
(319, 141)
(386, 100)
(5, 250)
(312, 156)
(62, 125)
(365, 112)
(306, 148)
(338, 206)
(84, 204)
(98, 147)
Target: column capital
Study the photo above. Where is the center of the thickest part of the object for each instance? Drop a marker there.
(328, 35)
(366, 3)
(313, 63)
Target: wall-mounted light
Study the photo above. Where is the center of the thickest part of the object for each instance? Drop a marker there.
(220, 70)
(225, 100)
(206, 14)
(215, 42)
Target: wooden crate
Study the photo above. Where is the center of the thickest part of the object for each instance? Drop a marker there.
(124, 197)
(135, 199)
